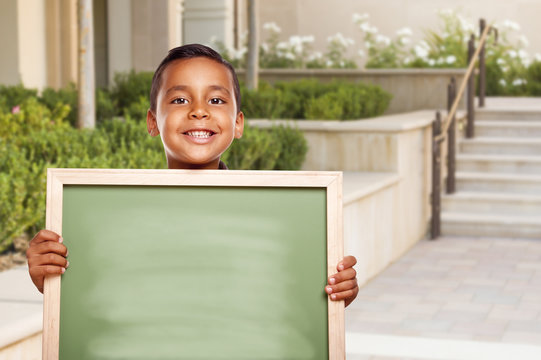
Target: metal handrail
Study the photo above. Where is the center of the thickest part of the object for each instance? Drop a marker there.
(462, 88)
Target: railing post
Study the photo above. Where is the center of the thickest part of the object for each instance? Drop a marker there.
(436, 178)
(451, 141)
(471, 91)
(482, 67)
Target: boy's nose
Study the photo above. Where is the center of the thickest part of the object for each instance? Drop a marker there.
(198, 112)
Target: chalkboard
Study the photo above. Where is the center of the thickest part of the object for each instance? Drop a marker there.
(194, 265)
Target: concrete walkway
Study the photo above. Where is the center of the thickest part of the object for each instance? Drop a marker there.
(454, 298)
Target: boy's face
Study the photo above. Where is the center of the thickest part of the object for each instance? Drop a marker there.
(196, 113)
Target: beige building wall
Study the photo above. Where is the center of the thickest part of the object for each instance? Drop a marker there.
(322, 18)
(9, 61)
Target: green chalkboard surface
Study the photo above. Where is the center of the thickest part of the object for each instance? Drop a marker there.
(194, 272)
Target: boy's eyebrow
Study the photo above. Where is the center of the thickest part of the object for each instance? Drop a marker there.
(184, 87)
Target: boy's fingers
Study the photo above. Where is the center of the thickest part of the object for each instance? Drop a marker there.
(45, 235)
(38, 273)
(49, 259)
(348, 295)
(343, 286)
(347, 274)
(347, 262)
(47, 247)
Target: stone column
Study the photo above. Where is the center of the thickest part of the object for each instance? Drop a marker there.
(119, 37)
(208, 19)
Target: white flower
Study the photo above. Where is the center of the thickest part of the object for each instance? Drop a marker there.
(373, 30)
(518, 82)
(368, 44)
(522, 54)
(361, 53)
(238, 54)
(465, 24)
(445, 35)
(500, 61)
(289, 56)
(406, 31)
(383, 39)
(420, 51)
(296, 43)
(502, 82)
(404, 41)
(523, 40)
(537, 57)
(308, 39)
(451, 59)
(407, 60)
(340, 39)
(329, 63)
(431, 62)
(315, 56)
(272, 27)
(358, 18)
(511, 25)
(512, 54)
(282, 45)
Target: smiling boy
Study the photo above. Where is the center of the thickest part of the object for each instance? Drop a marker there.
(195, 108)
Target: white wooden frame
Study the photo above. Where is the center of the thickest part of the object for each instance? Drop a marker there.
(332, 181)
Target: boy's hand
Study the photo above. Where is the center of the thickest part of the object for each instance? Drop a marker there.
(343, 285)
(46, 255)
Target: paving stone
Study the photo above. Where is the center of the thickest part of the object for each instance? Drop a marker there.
(504, 312)
(454, 316)
(496, 298)
(426, 325)
(457, 288)
(522, 338)
(494, 328)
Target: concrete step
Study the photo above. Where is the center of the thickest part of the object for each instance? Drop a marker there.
(508, 164)
(509, 146)
(492, 203)
(498, 183)
(490, 128)
(508, 114)
(472, 224)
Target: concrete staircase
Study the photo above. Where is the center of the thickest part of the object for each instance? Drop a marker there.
(498, 178)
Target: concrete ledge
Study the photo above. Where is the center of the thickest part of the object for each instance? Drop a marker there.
(358, 185)
(382, 124)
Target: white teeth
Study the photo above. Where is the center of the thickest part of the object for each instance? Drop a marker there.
(200, 134)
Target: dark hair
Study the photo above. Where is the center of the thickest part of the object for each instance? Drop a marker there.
(190, 51)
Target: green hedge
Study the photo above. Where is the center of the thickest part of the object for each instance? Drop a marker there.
(37, 137)
(312, 99)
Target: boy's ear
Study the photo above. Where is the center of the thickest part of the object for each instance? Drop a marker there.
(239, 125)
(152, 125)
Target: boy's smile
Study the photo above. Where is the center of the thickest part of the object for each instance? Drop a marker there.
(196, 113)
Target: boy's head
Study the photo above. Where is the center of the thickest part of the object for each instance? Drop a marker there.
(191, 51)
(195, 107)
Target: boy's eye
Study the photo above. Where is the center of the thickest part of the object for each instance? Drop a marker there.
(216, 101)
(179, 101)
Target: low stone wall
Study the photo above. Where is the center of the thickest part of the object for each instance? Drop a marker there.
(412, 89)
(387, 168)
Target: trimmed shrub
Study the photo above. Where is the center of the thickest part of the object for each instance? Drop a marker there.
(311, 99)
(129, 87)
(534, 79)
